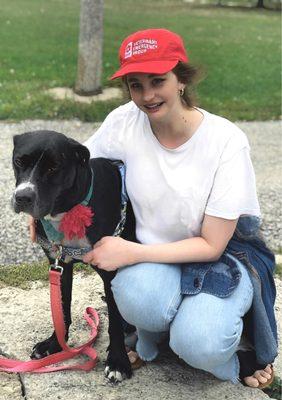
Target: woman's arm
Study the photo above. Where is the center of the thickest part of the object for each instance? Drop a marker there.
(111, 253)
(31, 227)
(215, 234)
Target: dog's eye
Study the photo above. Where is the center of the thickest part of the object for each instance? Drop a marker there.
(51, 170)
(19, 163)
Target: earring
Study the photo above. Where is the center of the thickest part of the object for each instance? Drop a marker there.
(181, 92)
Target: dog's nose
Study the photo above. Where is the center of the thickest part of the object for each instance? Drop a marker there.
(24, 199)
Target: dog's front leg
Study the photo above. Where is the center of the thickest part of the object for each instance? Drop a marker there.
(51, 345)
(117, 363)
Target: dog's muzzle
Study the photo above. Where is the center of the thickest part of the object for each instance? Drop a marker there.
(24, 199)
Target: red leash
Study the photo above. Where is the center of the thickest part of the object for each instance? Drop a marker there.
(44, 364)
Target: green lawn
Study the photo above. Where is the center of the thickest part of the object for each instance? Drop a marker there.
(22, 275)
(239, 49)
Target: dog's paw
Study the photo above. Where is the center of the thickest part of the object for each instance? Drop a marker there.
(45, 348)
(113, 376)
(117, 368)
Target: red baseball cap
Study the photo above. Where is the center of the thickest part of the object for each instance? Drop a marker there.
(152, 51)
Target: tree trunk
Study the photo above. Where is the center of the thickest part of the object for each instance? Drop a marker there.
(260, 4)
(89, 64)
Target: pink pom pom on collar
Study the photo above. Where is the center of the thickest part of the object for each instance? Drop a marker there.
(75, 222)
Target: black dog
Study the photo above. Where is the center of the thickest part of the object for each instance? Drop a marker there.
(53, 174)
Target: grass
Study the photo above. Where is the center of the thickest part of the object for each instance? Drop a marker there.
(239, 48)
(274, 391)
(278, 270)
(23, 275)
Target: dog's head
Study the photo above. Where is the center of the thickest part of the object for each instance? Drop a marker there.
(45, 164)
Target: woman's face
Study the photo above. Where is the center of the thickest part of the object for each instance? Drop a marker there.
(156, 95)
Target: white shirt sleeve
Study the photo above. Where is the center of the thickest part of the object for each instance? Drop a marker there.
(107, 140)
(234, 189)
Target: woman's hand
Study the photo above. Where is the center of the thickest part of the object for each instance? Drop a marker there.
(31, 227)
(111, 253)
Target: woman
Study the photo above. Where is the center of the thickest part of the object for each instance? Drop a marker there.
(189, 178)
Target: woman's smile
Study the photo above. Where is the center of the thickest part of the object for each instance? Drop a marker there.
(153, 107)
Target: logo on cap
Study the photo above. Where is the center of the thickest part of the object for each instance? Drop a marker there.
(139, 47)
(128, 50)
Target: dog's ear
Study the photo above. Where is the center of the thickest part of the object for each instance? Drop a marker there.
(15, 139)
(81, 152)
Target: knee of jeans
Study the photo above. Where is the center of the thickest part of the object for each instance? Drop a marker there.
(139, 303)
(203, 349)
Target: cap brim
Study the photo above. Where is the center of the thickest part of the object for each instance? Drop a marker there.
(149, 67)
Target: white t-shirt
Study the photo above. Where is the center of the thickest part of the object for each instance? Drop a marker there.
(172, 189)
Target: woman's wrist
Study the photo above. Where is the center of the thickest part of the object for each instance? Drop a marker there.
(138, 254)
(146, 253)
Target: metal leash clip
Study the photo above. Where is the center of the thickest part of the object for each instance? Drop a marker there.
(57, 266)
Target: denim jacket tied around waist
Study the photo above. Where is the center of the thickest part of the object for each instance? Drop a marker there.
(220, 278)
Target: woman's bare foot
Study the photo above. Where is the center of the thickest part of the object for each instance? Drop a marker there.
(259, 377)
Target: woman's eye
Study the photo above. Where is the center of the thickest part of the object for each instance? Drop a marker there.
(135, 86)
(158, 81)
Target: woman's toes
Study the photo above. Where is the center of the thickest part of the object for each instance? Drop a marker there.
(133, 356)
(268, 369)
(251, 381)
(265, 374)
(259, 377)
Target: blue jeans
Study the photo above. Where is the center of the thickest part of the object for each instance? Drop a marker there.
(204, 330)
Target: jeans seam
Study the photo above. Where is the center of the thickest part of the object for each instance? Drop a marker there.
(237, 370)
(170, 307)
(249, 288)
